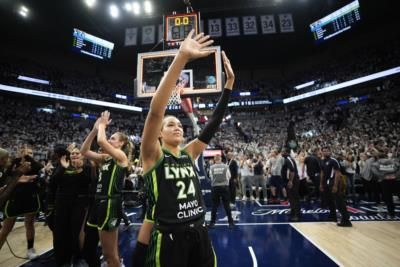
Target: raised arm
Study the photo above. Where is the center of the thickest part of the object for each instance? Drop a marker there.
(198, 145)
(107, 148)
(191, 48)
(85, 148)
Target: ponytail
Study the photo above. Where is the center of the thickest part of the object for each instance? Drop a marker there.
(126, 148)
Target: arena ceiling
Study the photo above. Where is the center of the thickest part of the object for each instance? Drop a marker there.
(50, 23)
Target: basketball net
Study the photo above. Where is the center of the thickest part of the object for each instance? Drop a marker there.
(175, 98)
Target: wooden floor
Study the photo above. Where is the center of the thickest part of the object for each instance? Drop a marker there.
(364, 244)
(17, 241)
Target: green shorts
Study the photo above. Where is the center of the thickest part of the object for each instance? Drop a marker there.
(106, 214)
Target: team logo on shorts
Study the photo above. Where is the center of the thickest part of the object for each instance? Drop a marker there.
(113, 222)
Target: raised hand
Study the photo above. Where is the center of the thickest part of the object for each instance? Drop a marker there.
(71, 147)
(105, 118)
(192, 47)
(64, 161)
(230, 75)
(96, 124)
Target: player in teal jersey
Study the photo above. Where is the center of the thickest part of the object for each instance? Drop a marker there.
(174, 229)
(113, 164)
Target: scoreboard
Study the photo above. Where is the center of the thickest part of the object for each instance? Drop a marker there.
(178, 26)
(337, 22)
(91, 45)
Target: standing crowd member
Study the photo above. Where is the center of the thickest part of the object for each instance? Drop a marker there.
(387, 170)
(276, 162)
(290, 177)
(113, 161)
(332, 187)
(245, 177)
(312, 165)
(259, 181)
(233, 182)
(71, 180)
(220, 176)
(174, 229)
(369, 181)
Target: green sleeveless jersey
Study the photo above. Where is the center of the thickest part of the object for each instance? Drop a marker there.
(174, 193)
(111, 179)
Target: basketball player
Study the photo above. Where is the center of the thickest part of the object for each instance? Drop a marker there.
(24, 200)
(107, 212)
(7, 183)
(174, 228)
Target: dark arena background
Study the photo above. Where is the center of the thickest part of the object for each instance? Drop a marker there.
(310, 76)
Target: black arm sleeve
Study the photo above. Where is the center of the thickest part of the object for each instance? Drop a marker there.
(216, 119)
(52, 187)
(139, 254)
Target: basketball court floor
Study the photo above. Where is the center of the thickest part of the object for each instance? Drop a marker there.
(264, 237)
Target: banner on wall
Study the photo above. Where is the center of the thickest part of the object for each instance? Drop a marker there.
(215, 27)
(160, 32)
(286, 22)
(148, 34)
(155, 33)
(249, 25)
(232, 26)
(268, 24)
(130, 36)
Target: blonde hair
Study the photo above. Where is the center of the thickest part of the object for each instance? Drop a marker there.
(126, 147)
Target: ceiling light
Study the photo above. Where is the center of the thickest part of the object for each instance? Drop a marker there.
(128, 7)
(136, 8)
(114, 11)
(90, 3)
(148, 7)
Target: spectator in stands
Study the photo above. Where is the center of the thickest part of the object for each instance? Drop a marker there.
(387, 170)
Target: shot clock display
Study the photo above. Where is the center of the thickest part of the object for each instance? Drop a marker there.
(178, 26)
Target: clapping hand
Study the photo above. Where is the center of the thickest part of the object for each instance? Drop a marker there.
(230, 75)
(65, 162)
(104, 118)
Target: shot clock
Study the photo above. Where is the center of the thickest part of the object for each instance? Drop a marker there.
(178, 26)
